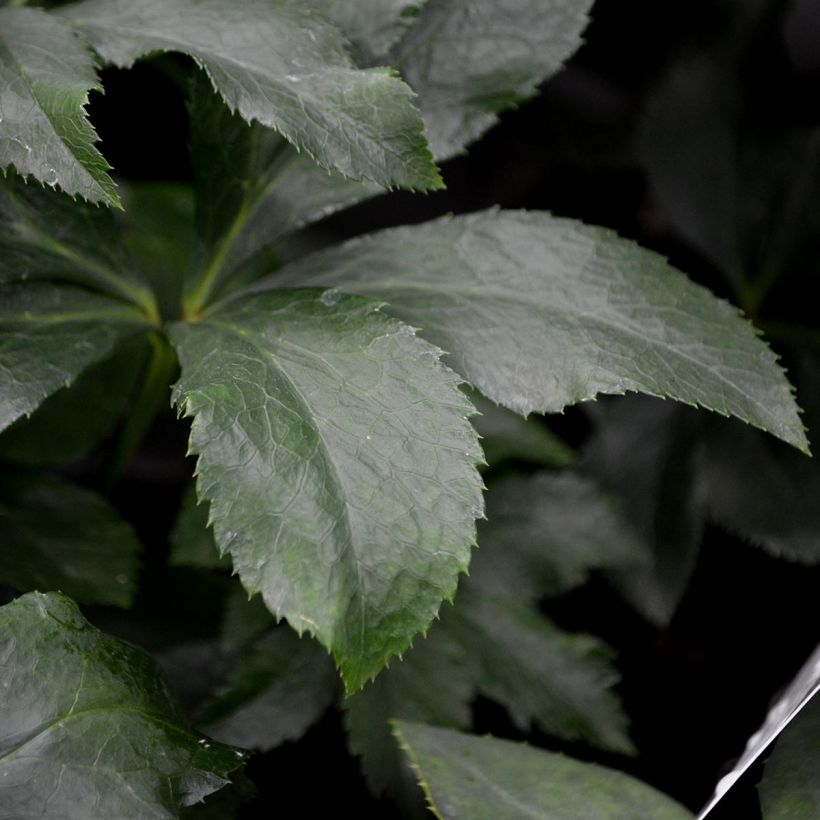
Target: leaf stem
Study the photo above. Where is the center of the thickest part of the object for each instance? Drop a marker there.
(154, 396)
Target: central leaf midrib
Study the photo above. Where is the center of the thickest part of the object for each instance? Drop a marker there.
(248, 338)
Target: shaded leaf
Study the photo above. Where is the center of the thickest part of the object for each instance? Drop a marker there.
(647, 453)
(482, 777)
(593, 313)
(88, 727)
(545, 532)
(278, 689)
(280, 64)
(57, 536)
(46, 73)
(470, 59)
(75, 418)
(192, 540)
(505, 435)
(338, 459)
(791, 787)
(48, 335)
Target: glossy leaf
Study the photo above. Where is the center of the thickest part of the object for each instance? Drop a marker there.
(545, 532)
(484, 778)
(280, 64)
(593, 313)
(338, 459)
(48, 335)
(46, 73)
(88, 727)
(470, 59)
(791, 788)
(279, 688)
(57, 536)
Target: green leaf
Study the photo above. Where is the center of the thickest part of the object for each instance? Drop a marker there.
(500, 649)
(192, 540)
(46, 73)
(485, 778)
(48, 335)
(280, 64)
(44, 235)
(74, 419)
(507, 436)
(57, 536)
(791, 788)
(373, 26)
(280, 687)
(592, 313)
(88, 727)
(647, 453)
(470, 59)
(545, 532)
(338, 459)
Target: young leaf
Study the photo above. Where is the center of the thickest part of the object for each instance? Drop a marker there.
(279, 688)
(46, 73)
(280, 64)
(791, 789)
(470, 59)
(545, 532)
(646, 452)
(57, 536)
(483, 778)
(339, 462)
(48, 335)
(88, 727)
(593, 313)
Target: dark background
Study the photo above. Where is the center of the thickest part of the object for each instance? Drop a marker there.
(697, 689)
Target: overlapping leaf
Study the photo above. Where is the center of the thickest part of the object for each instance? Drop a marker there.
(470, 59)
(485, 778)
(57, 536)
(339, 462)
(592, 314)
(281, 64)
(46, 73)
(48, 335)
(88, 727)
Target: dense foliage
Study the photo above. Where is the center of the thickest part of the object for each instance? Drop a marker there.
(345, 404)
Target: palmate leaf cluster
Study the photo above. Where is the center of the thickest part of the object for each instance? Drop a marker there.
(337, 402)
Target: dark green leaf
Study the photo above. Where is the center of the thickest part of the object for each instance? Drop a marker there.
(74, 419)
(57, 536)
(88, 727)
(484, 779)
(592, 313)
(279, 688)
(48, 335)
(545, 532)
(470, 59)
(791, 787)
(44, 235)
(280, 64)
(338, 459)
(46, 73)
(192, 540)
(505, 435)
(646, 452)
